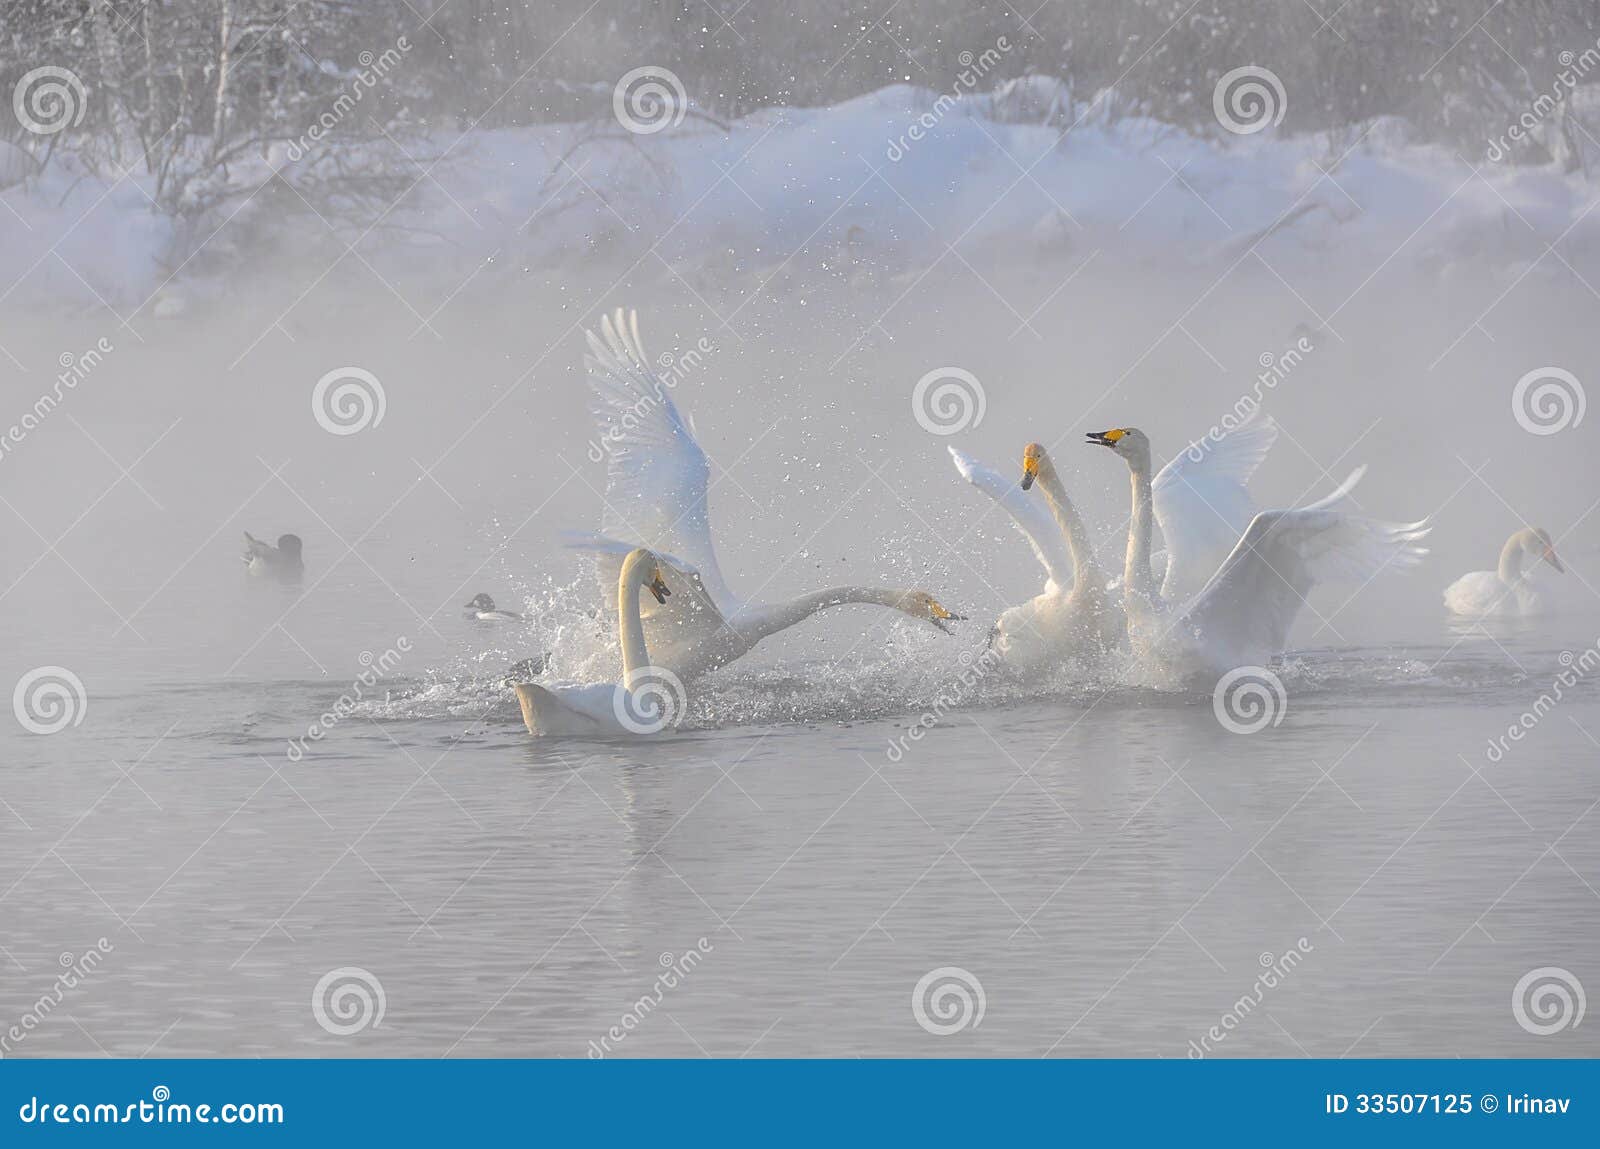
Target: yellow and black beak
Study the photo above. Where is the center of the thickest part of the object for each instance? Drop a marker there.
(1106, 438)
(1030, 470)
(659, 588)
(941, 616)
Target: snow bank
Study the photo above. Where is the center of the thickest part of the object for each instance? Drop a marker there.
(890, 178)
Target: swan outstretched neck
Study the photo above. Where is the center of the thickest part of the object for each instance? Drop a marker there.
(614, 708)
(656, 497)
(1505, 592)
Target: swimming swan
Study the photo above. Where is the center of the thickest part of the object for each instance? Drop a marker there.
(645, 702)
(1073, 617)
(1242, 616)
(656, 485)
(1504, 592)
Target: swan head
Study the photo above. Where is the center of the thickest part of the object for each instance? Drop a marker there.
(1129, 442)
(643, 569)
(1536, 541)
(921, 604)
(1033, 458)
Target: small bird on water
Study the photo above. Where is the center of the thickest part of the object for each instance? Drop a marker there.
(483, 609)
(281, 562)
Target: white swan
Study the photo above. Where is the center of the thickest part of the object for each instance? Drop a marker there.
(645, 702)
(1504, 592)
(656, 484)
(1242, 616)
(1073, 617)
(1201, 504)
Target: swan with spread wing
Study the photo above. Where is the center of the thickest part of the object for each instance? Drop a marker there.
(1243, 613)
(1199, 501)
(1072, 618)
(656, 487)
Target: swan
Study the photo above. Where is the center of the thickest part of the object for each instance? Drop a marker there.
(1073, 616)
(645, 702)
(656, 485)
(1201, 504)
(1242, 616)
(1504, 592)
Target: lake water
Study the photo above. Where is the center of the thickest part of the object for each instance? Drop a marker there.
(1084, 868)
(1112, 868)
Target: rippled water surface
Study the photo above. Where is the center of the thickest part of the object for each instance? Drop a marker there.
(1110, 866)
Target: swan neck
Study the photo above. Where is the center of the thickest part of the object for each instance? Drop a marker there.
(1511, 558)
(1085, 570)
(1136, 567)
(635, 655)
(796, 610)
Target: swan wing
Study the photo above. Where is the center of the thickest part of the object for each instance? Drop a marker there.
(1202, 506)
(1028, 515)
(690, 614)
(1244, 613)
(656, 474)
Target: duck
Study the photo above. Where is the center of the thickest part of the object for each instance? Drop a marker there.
(281, 562)
(482, 609)
(1505, 592)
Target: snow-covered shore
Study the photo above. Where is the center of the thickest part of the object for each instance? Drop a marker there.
(887, 180)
